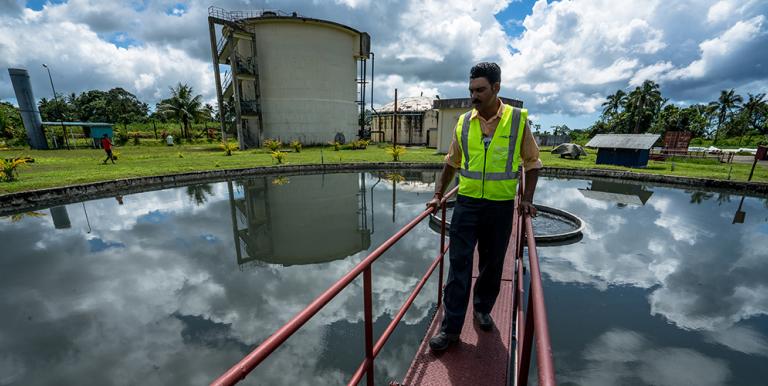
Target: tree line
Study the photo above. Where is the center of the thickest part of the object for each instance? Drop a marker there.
(645, 110)
(122, 107)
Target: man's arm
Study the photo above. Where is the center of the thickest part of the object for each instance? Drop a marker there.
(526, 202)
(446, 176)
(451, 165)
(531, 163)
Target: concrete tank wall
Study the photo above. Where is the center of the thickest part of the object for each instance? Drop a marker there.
(28, 108)
(307, 72)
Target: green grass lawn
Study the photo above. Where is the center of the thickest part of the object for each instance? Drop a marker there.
(67, 167)
(687, 168)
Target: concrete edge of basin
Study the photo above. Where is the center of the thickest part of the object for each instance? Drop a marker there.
(44, 198)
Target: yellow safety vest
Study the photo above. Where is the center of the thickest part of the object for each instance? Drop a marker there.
(490, 172)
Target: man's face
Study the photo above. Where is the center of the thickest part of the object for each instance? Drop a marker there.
(482, 92)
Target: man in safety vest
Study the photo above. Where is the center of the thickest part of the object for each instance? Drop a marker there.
(491, 142)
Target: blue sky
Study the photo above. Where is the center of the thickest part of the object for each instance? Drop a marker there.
(511, 18)
(562, 63)
(38, 4)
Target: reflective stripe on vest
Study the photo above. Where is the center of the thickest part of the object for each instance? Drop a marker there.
(475, 179)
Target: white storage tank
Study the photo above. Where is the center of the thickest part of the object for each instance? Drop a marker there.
(305, 79)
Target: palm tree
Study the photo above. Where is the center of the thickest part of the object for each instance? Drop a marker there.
(697, 197)
(199, 193)
(613, 103)
(755, 110)
(643, 103)
(206, 114)
(725, 104)
(182, 106)
(723, 198)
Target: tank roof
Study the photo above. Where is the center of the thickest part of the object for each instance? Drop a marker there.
(302, 19)
(408, 104)
(260, 15)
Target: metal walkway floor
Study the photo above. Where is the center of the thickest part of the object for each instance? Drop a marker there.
(480, 357)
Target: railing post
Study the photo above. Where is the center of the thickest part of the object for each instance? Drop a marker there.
(527, 346)
(442, 258)
(367, 290)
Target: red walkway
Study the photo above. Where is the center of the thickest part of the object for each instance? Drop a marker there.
(480, 357)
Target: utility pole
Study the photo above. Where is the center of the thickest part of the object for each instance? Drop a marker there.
(56, 98)
(394, 123)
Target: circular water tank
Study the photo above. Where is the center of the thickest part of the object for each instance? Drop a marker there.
(306, 72)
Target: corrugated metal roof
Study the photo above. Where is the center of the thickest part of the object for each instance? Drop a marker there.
(612, 197)
(623, 141)
(84, 124)
(408, 104)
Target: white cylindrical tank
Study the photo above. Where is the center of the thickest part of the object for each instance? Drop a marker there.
(307, 72)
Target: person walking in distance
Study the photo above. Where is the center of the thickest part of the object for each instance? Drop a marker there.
(107, 145)
(490, 143)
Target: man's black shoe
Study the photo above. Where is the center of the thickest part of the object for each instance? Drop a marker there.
(484, 320)
(442, 340)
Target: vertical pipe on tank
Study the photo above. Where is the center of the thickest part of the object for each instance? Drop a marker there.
(28, 108)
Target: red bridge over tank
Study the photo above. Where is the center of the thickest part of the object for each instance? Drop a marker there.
(499, 357)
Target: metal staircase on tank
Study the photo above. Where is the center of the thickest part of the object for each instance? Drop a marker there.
(224, 51)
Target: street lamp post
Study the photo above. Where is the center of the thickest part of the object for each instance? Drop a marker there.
(56, 98)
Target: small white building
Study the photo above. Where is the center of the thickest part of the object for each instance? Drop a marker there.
(449, 111)
(416, 122)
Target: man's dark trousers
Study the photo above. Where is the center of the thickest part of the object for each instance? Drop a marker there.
(488, 225)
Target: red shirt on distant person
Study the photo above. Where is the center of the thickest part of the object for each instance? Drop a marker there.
(106, 144)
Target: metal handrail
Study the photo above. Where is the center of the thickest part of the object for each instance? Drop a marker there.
(544, 361)
(220, 44)
(223, 14)
(250, 361)
(227, 79)
(534, 319)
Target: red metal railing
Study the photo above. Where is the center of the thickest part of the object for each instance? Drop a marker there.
(249, 362)
(535, 320)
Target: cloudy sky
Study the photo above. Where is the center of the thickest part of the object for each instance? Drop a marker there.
(561, 57)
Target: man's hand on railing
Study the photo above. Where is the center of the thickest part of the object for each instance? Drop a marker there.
(526, 207)
(434, 203)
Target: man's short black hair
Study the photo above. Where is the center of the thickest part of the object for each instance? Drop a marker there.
(487, 70)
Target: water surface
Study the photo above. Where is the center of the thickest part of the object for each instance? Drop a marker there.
(174, 286)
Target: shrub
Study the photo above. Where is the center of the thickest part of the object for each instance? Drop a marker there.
(9, 168)
(228, 147)
(394, 177)
(281, 181)
(396, 152)
(121, 137)
(273, 144)
(278, 155)
(296, 145)
(136, 140)
(360, 144)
